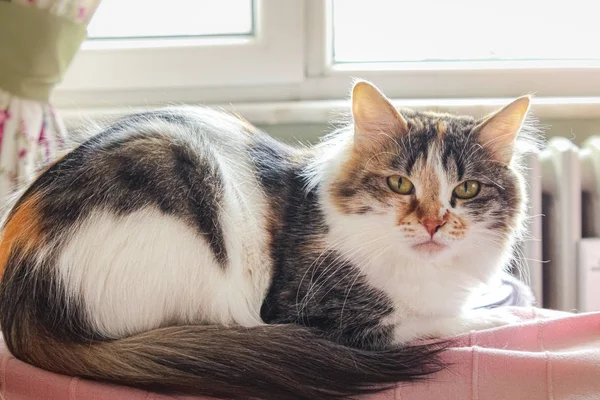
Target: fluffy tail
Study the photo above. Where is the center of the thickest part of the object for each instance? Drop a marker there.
(267, 362)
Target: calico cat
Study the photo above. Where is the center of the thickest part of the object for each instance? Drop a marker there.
(184, 250)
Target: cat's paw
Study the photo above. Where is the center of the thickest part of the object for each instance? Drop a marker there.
(487, 319)
(445, 327)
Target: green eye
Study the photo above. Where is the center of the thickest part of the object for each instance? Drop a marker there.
(467, 190)
(400, 184)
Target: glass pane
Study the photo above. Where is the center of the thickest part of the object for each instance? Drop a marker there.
(173, 18)
(464, 30)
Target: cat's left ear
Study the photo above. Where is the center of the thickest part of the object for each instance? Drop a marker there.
(375, 117)
(498, 132)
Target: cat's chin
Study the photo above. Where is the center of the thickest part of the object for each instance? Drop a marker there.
(429, 247)
(431, 250)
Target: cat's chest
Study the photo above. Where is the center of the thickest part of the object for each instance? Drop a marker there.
(421, 298)
(419, 290)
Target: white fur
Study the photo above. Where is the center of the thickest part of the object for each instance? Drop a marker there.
(149, 269)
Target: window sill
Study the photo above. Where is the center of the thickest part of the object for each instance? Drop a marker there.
(322, 111)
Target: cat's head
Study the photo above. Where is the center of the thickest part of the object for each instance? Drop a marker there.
(428, 186)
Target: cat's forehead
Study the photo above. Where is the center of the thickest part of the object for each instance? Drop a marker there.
(436, 125)
(433, 138)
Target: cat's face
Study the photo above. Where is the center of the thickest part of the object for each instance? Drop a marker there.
(436, 186)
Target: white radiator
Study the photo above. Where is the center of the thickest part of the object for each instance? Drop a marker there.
(562, 252)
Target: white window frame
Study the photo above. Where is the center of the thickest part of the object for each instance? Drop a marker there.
(451, 79)
(273, 55)
(290, 61)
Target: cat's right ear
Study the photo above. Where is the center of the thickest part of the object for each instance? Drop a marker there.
(375, 117)
(498, 132)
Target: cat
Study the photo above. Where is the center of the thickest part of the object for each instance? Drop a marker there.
(186, 251)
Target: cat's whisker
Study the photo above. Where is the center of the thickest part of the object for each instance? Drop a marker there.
(467, 141)
(333, 246)
(358, 274)
(337, 263)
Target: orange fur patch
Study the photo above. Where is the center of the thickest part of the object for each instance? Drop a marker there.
(457, 225)
(441, 129)
(351, 170)
(429, 203)
(21, 229)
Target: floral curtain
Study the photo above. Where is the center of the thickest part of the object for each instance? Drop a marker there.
(38, 39)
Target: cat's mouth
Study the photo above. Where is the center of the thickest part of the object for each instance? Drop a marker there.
(430, 246)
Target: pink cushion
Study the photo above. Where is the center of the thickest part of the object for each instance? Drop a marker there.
(550, 355)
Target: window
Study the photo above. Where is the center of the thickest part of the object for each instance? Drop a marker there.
(381, 31)
(186, 18)
(222, 51)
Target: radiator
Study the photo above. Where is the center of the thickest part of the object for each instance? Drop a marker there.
(560, 257)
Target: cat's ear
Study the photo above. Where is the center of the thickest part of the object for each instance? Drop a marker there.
(375, 117)
(498, 132)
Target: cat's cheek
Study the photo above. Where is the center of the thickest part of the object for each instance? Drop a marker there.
(457, 227)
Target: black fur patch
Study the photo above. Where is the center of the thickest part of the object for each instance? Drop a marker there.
(312, 286)
(205, 193)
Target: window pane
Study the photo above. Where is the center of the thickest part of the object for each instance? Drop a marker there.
(173, 18)
(464, 30)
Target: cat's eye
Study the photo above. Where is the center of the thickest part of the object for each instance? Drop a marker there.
(400, 184)
(467, 190)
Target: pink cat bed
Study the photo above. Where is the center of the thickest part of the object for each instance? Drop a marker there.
(549, 355)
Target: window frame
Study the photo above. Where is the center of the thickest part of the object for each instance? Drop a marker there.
(274, 54)
(468, 79)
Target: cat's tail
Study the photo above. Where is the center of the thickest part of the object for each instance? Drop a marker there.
(266, 362)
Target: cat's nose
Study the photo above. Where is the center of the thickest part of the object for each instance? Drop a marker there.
(432, 225)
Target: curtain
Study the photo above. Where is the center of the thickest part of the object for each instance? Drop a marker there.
(38, 39)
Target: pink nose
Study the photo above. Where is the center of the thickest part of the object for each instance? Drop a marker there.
(432, 225)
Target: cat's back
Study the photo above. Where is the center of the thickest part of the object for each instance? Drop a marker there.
(180, 161)
(153, 153)
(162, 133)
(157, 218)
